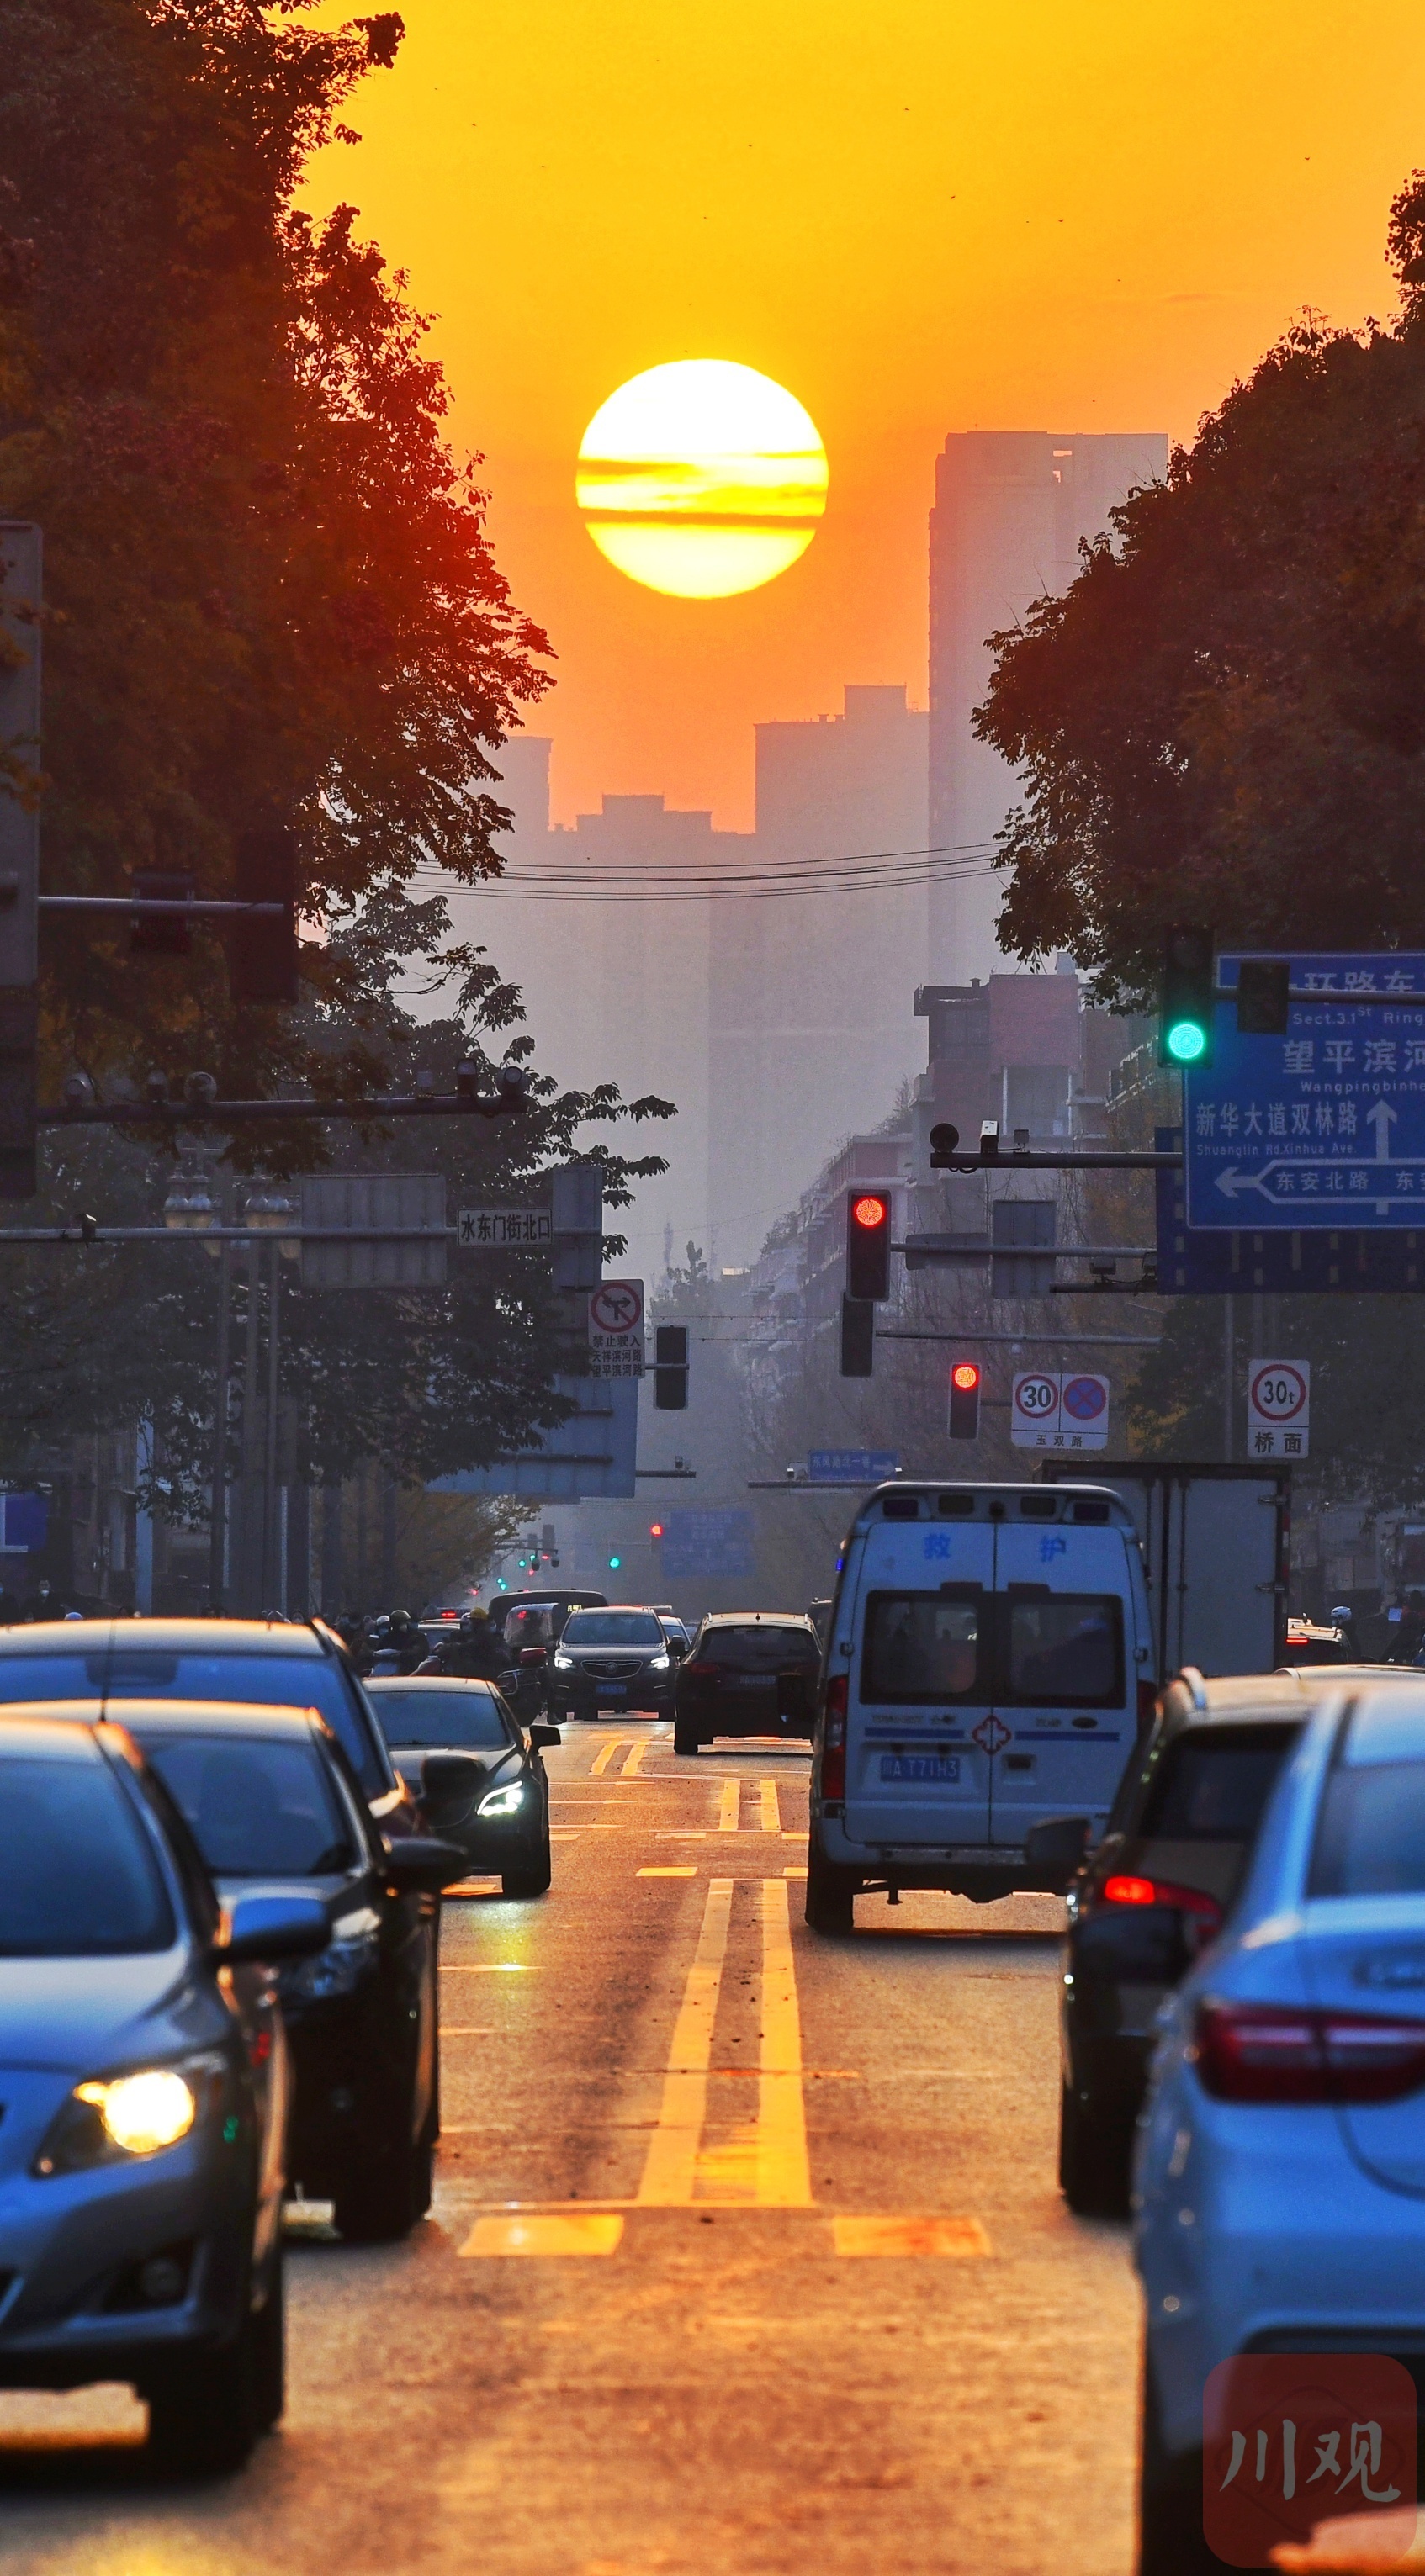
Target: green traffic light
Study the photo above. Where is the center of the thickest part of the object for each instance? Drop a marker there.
(1186, 1041)
(614, 1563)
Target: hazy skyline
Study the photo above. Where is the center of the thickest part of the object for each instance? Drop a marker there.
(932, 221)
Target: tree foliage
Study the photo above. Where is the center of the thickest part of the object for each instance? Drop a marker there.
(270, 591)
(1222, 718)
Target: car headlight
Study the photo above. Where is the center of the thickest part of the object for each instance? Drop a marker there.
(502, 1802)
(338, 1968)
(659, 1663)
(564, 1663)
(138, 2114)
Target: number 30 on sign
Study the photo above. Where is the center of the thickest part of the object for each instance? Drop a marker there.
(1278, 1408)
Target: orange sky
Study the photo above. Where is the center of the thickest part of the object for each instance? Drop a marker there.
(919, 217)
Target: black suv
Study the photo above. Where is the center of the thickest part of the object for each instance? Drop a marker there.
(616, 1658)
(1153, 1894)
(747, 1672)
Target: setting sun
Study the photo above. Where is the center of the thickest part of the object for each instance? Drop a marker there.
(702, 478)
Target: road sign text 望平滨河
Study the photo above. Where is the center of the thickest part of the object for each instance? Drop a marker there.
(1321, 1128)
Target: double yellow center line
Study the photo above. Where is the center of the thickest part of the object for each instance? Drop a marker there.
(763, 2166)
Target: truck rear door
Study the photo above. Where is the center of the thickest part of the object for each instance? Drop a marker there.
(920, 1686)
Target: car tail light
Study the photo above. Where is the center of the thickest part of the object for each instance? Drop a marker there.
(1273, 2053)
(833, 1742)
(703, 1666)
(1147, 1703)
(1124, 1890)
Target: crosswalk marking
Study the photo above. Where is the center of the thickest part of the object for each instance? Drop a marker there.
(634, 1764)
(730, 1807)
(567, 2232)
(771, 1812)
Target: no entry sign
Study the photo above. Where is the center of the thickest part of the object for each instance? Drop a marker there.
(1279, 1408)
(1058, 1409)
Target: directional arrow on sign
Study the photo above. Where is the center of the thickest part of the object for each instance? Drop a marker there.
(1382, 1118)
(1232, 1182)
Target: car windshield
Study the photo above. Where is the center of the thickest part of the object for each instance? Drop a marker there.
(1213, 1783)
(77, 1877)
(148, 1672)
(258, 1806)
(613, 1628)
(1371, 1838)
(468, 1720)
(1065, 1649)
(760, 1645)
(924, 1646)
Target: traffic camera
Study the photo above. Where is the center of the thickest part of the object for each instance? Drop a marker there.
(1185, 1026)
(868, 1244)
(965, 1400)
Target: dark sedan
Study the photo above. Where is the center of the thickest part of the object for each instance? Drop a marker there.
(271, 1800)
(747, 1672)
(616, 1658)
(482, 1785)
(1152, 1895)
(144, 2075)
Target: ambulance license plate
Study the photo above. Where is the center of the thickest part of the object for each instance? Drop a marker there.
(920, 1766)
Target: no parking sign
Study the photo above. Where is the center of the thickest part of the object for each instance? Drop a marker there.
(1279, 1408)
(1058, 1409)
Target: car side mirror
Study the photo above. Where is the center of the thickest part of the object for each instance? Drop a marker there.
(421, 1864)
(272, 1928)
(508, 1681)
(540, 1736)
(450, 1775)
(677, 1648)
(1057, 1846)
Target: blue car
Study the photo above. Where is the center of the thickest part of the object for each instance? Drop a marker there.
(1280, 2174)
(143, 2087)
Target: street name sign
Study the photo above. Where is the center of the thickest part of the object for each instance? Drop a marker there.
(700, 1544)
(499, 1227)
(1278, 1408)
(1058, 1409)
(852, 1466)
(616, 1329)
(1320, 1129)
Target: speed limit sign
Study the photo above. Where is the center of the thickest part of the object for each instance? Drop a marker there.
(1279, 1408)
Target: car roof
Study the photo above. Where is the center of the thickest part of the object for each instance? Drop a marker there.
(644, 1609)
(757, 1618)
(205, 1716)
(40, 1731)
(429, 1682)
(967, 1499)
(1189, 1700)
(167, 1636)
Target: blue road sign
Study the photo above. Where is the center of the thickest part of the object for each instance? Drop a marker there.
(852, 1466)
(1322, 1129)
(707, 1543)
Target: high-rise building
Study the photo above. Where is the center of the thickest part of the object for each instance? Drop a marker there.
(810, 1028)
(1011, 510)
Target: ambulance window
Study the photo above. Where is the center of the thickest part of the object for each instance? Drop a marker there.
(925, 1647)
(1066, 1650)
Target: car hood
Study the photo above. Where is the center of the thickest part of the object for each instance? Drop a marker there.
(72, 2016)
(619, 1654)
(489, 1758)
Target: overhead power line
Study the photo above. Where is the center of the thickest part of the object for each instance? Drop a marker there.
(863, 872)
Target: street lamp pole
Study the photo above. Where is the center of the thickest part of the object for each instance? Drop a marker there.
(274, 1584)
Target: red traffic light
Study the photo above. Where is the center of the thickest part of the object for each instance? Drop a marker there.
(655, 1529)
(868, 1245)
(965, 1374)
(964, 1421)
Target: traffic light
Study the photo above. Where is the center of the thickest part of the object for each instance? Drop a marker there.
(1263, 997)
(965, 1400)
(161, 934)
(262, 956)
(655, 1529)
(670, 1368)
(858, 1337)
(868, 1244)
(1185, 1027)
(614, 1563)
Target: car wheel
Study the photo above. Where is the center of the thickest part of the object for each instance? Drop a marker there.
(382, 2202)
(1095, 2158)
(686, 1738)
(830, 1904)
(202, 2411)
(529, 1882)
(269, 2352)
(1170, 2536)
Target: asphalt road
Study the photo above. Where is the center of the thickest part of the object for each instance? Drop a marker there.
(746, 2252)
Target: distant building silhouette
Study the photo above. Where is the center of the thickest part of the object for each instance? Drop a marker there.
(1011, 508)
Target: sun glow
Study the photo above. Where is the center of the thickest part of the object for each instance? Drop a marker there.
(702, 478)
